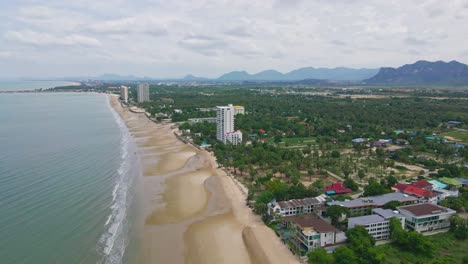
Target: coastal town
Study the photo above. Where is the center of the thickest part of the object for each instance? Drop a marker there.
(321, 213)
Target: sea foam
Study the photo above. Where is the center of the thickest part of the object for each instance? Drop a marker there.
(114, 240)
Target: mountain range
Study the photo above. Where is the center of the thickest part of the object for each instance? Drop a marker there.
(419, 73)
(422, 73)
(339, 74)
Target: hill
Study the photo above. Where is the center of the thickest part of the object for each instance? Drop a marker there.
(338, 74)
(423, 73)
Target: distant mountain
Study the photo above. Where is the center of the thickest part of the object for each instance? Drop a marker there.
(339, 74)
(190, 77)
(235, 76)
(423, 73)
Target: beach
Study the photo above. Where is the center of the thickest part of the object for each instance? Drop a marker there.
(192, 211)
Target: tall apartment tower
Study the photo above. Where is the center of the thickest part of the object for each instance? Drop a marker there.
(143, 92)
(225, 125)
(124, 93)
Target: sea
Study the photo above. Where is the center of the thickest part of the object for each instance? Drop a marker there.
(68, 176)
(19, 85)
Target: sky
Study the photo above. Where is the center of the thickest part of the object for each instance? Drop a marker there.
(169, 39)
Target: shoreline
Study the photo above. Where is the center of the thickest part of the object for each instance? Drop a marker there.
(190, 206)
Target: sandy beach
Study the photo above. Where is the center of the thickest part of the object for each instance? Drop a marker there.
(194, 212)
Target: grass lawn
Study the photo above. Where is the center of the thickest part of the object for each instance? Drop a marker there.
(295, 140)
(460, 135)
(448, 250)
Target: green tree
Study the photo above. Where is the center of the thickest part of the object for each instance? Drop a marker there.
(459, 227)
(335, 212)
(375, 188)
(335, 154)
(361, 174)
(349, 183)
(319, 255)
(345, 255)
(392, 205)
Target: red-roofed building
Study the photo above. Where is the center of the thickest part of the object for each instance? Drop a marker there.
(336, 188)
(423, 184)
(423, 195)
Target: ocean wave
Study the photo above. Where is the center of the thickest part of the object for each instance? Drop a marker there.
(113, 242)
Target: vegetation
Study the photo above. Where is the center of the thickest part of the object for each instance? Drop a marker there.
(410, 240)
(319, 255)
(447, 249)
(460, 203)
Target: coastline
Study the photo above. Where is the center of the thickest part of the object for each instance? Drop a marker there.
(193, 211)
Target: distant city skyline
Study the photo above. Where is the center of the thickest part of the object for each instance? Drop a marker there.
(163, 39)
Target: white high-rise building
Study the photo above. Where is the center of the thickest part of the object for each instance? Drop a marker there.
(124, 93)
(225, 125)
(143, 92)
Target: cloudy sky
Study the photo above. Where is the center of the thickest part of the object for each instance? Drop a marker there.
(45, 38)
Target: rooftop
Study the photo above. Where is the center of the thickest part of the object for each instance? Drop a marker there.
(425, 209)
(301, 202)
(421, 184)
(380, 215)
(438, 184)
(337, 187)
(450, 181)
(385, 213)
(378, 200)
(412, 190)
(464, 181)
(311, 221)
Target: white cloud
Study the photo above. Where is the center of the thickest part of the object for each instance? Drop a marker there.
(209, 37)
(45, 39)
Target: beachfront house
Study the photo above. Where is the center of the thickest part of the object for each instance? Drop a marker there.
(426, 217)
(311, 232)
(297, 206)
(378, 223)
(364, 205)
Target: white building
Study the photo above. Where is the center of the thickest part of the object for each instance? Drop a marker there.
(296, 206)
(313, 232)
(225, 124)
(124, 93)
(143, 92)
(378, 223)
(234, 138)
(426, 217)
(239, 110)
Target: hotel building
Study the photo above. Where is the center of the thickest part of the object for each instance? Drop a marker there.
(124, 93)
(426, 217)
(378, 223)
(143, 92)
(225, 125)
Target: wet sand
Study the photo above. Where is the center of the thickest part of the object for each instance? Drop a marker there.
(193, 212)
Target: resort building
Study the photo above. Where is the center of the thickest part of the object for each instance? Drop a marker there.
(423, 195)
(297, 206)
(451, 182)
(234, 138)
(143, 92)
(364, 205)
(225, 125)
(378, 223)
(426, 217)
(239, 110)
(192, 121)
(124, 93)
(463, 181)
(311, 232)
(336, 188)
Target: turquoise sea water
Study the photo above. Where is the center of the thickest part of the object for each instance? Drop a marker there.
(15, 85)
(67, 172)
